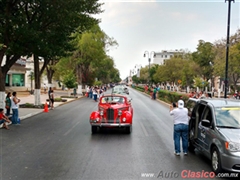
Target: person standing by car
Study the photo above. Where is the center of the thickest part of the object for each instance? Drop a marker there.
(180, 117)
(14, 103)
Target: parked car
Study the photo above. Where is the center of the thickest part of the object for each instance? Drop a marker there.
(214, 129)
(114, 111)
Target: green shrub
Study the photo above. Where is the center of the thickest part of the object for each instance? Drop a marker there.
(166, 96)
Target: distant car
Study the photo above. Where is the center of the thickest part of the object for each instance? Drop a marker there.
(214, 129)
(120, 90)
(114, 110)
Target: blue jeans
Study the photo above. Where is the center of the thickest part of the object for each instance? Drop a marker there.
(14, 116)
(181, 132)
(90, 95)
(95, 97)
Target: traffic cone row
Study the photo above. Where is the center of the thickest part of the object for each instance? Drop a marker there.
(45, 107)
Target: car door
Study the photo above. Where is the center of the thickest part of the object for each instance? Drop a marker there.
(200, 130)
(206, 128)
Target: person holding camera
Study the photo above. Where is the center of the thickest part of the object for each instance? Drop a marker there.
(180, 118)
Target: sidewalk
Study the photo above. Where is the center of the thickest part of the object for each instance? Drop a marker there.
(28, 112)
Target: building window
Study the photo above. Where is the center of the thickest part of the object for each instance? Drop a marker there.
(162, 56)
(165, 56)
(18, 80)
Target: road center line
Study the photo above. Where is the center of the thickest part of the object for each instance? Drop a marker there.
(71, 129)
(144, 129)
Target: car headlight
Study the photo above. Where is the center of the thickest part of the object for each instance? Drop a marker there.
(232, 146)
(119, 112)
(101, 113)
(124, 119)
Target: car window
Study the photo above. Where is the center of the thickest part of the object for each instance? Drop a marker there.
(112, 99)
(208, 114)
(228, 117)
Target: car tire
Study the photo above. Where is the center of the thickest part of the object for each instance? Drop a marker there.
(129, 129)
(216, 160)
(94, 129)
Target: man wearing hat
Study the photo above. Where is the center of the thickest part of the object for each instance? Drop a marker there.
(180, 118)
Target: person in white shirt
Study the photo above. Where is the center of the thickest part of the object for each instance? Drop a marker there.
(180, 117)
(15, 102)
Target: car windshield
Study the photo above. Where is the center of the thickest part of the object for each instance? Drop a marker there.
(111, 99)
(228, 117)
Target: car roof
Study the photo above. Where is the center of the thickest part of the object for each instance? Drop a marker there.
(220, 102)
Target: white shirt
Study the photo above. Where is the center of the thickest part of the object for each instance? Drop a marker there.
(14, 105)
(180, 115)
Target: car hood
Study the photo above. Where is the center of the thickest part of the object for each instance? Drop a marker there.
(231, 134)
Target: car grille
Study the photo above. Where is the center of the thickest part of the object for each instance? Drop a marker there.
(110, 115)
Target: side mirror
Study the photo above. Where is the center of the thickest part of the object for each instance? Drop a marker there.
(206, 123)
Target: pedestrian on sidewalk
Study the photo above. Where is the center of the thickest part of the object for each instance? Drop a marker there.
(51, 98)
(4, 119)
(14, 102)
(8, 103)
(180, 117)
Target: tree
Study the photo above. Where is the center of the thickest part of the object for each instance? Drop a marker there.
(219, 63)
(43, 20)
(69, 80)
(90, 54)
(203, 56)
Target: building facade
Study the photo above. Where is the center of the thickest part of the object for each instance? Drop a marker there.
(161, 57)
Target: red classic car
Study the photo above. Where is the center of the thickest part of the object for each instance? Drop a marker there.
(114, 110)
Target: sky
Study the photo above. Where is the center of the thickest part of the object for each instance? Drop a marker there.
(156, 25)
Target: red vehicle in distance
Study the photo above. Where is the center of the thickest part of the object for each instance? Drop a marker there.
(114, 111)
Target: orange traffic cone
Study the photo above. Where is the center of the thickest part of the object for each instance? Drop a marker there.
(45, 107)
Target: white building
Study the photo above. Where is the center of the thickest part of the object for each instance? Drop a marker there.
(161, 57)
(18, 77)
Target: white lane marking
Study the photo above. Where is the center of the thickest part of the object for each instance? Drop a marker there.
(71, 129)
(144, 129)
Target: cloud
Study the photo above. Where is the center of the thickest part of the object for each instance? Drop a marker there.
(162, 25)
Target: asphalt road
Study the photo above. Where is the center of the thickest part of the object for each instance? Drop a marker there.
(59, 146)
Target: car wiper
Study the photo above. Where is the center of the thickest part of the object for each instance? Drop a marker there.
(230, 127)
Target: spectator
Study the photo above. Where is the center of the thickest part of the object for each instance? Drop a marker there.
(51, 98)
(8, 103)
(180, 117)
(154, 93)
(95, 94)
(14, 102)
(4, 119)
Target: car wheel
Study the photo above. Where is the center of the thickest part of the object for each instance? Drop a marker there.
(94, 129)
(129, 129)
(216, 161)
(191, 139)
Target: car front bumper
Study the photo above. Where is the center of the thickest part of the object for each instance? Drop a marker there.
(111, 124)
(231, 162)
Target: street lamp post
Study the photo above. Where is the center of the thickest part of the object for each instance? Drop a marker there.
(149, 55)
(227, 49)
